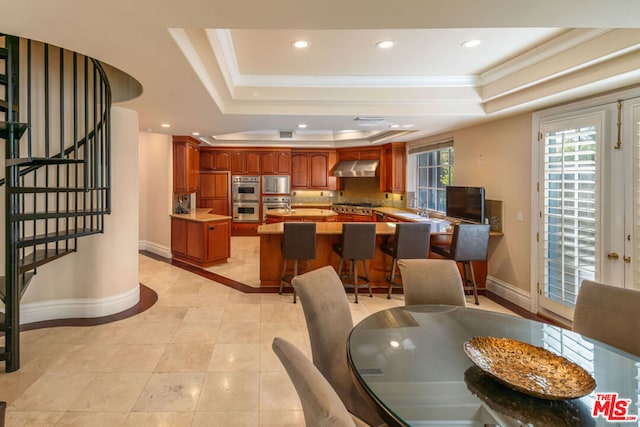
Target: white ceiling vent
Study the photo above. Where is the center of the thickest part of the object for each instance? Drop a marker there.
(286, 134)
(369, 119)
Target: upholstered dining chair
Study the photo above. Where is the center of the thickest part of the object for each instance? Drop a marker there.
(609, 314)
(329, 322)
(321, 404)
(431, 281)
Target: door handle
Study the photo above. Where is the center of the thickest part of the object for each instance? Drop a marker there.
(613, 255)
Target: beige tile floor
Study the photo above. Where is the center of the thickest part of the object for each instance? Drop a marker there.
(201, 356)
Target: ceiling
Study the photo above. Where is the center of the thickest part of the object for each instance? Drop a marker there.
(227, 70)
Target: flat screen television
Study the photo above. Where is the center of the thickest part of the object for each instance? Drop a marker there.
(465, 203)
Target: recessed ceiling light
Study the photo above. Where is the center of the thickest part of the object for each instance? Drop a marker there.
(385, 44)
(195, 133)
(394, 125)
(471, 43)
(165, 125)
(302, 126)
(300, 44)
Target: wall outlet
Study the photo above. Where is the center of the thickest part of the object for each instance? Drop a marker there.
(481, 160)
(519, 216)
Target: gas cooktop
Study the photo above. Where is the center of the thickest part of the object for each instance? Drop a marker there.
(359, 204)
(361, 208)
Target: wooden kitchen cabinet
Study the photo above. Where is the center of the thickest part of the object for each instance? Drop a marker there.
(212, 159)
(393, 176)
(245, 162)
(312, 170)
(276, 162)
(358, 153)
(186, 165)
(203, 243)
(355, 218)
(214, 192)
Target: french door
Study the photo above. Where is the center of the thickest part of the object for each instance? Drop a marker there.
(584, 201)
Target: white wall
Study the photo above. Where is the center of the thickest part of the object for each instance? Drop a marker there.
(505, 146)
(101, 278)
(156, 187)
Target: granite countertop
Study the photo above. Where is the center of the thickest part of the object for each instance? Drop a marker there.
(324, 228)
(311, 205)
(304, 212)
(201, 215)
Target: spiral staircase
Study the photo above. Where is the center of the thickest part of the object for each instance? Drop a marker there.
(55, 124)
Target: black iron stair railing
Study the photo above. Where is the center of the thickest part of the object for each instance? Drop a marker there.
(55, 120)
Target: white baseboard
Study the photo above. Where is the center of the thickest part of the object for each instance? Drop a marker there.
(509, 292)
(155, 248)
(79, 308)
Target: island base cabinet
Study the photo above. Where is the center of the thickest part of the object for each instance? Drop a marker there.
(200, 243)
(271, 259)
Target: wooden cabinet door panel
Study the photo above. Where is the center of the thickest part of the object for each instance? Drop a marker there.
(268, 163)
(238, 163)
(180, 184)
(214, 160)
(217, 235)
(217, 206)
(300, 170)
(253, 163)
(283, 162)
(222, 161)
(319, 166)
(207, 160)
(214, 185)
(195, 247)
(193, 168)
(179, 236)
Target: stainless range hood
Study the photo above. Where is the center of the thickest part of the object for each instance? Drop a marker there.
(356, 168)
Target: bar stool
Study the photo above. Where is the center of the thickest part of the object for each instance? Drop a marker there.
(470, 242)
(411, 241)
(357, 243)
(298, 244)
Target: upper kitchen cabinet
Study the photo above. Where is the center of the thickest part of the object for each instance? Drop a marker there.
(312, 170)
(214, 192)
(358, 153)
(245, 162)
(393, 175)
(212, 159)
(276, 162)
(186, 165)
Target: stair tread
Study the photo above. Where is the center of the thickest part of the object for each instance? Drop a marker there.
(37, 161)
(56, 236)
(48, 189)
(41, 257)
(17, 128)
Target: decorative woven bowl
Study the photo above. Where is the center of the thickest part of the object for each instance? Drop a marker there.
(529, 369)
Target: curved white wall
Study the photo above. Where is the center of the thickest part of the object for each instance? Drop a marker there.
(102, 277)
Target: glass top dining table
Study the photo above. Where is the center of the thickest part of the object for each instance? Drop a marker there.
(410, 363)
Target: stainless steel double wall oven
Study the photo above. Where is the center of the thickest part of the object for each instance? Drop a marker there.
(245, 193)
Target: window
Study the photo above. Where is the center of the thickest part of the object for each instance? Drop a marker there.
(569, 210)
(434, 173)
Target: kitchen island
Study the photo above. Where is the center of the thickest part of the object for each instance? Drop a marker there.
(327, 234)
(300, 215)
(200, 238)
